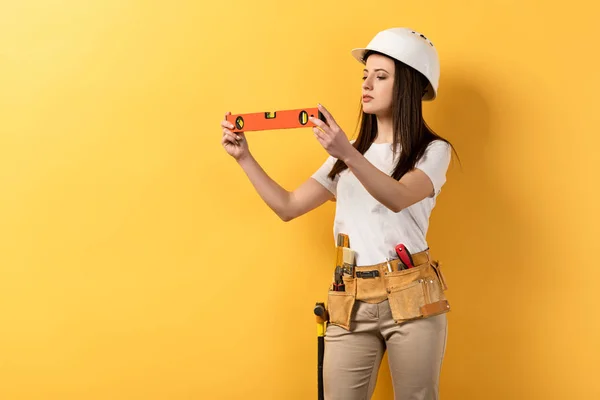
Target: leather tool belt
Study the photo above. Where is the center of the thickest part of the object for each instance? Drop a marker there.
(413, 293)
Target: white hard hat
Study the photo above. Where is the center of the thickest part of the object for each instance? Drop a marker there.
(410, 47)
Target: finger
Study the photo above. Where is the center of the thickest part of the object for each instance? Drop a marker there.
(234, 134)
(226, 124)
(328, 116)
(227, 139)
(319, 133)
(233, 138)
(320, 140)
(227, 135)
(319, 123)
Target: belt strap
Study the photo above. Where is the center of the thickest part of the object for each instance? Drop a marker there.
(422, 257)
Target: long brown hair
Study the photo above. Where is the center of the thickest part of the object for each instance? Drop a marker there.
(410, 129)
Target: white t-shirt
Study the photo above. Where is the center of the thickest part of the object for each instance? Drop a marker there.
(373, 229)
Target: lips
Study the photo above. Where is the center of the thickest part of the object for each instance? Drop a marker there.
(367, 98)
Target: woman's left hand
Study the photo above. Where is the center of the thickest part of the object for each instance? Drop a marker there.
(331, 136)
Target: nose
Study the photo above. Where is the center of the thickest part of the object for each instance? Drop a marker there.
(367, 84)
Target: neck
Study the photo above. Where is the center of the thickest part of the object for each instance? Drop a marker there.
(385, 129)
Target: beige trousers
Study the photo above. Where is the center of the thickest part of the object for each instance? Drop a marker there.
(415, 354)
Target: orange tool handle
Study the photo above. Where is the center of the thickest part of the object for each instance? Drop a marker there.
(284, 119)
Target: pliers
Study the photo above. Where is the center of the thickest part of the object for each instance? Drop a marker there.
(338, 284)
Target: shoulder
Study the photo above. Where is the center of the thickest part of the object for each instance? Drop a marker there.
(435, 162)
(438, 145)
(437, 149)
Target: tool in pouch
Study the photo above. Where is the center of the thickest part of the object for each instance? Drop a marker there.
(405, 257)
(342, 294)
(344, 263)
(282, 119)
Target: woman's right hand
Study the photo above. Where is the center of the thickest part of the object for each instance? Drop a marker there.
(235, 144)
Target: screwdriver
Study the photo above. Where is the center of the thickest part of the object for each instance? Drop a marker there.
(404, 255)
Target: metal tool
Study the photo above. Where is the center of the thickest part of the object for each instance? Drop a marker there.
(401, 266)
(338, 284)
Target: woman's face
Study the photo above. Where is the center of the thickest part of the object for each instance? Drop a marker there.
(378, 85)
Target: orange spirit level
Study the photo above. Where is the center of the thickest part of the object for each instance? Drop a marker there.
(277, 120)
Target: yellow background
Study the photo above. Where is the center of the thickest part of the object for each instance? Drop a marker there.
(137, 262)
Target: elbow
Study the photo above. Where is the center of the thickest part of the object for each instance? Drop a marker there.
(396, 208)
(286, 212)
(286, 217)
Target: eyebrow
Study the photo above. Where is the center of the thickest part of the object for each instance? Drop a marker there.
(376, 69)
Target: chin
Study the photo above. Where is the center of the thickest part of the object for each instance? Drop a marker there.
(369, 109)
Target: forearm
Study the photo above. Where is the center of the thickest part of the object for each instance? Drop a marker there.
(276, 197)
(381, 186)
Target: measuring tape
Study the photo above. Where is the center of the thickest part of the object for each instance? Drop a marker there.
(283, 119)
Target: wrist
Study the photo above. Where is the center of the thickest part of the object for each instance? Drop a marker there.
(350, 156)
(244, 160)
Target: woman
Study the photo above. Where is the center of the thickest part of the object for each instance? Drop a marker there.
(385, 184)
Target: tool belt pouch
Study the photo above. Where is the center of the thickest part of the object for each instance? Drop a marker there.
(417, 292)
(436, 265)
(340, 304)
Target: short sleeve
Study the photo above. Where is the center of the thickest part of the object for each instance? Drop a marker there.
(435, 163)
(321, 175)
